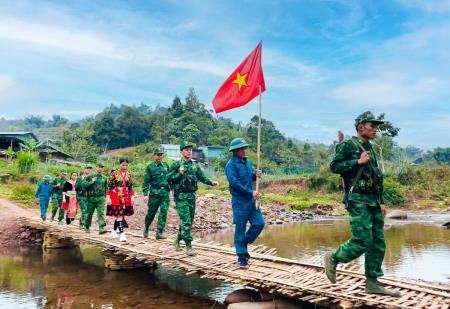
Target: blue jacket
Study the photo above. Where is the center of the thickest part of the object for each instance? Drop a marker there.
(240, 178)
(44, 190)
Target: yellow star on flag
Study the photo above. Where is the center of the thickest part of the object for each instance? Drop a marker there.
(240, 80)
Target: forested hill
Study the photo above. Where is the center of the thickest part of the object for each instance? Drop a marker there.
(124, 126)
(129, 125)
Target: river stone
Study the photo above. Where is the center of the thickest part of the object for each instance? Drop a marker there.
(397, 214)
(242, 295)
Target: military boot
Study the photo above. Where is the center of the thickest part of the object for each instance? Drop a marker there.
(330, 267)
(145, 232)
(374, 287)
(161, 235)
(177, 243)
(189, 250)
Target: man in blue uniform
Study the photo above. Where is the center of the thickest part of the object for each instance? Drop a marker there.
(241, 176)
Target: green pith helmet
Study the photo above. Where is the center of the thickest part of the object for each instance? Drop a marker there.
(158, 151)
(47, 177)
(186, 144)
(238, 143)
(367, 117)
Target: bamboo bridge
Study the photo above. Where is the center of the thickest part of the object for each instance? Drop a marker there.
(268, 272)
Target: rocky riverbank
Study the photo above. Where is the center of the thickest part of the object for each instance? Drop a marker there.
(214, 213)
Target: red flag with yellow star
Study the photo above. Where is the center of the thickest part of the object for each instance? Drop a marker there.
(242, 85)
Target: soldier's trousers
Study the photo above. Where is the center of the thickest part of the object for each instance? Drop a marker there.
(160, 201)
(56, 206)
(96, 203)
(185, 203)
(83, 209)
(366, 224)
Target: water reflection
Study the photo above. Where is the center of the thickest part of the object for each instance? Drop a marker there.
(415, 249)
(61, 279)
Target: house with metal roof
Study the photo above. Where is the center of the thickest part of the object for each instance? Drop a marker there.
(15, 140)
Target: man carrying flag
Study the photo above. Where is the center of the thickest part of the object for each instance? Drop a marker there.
(244, 84)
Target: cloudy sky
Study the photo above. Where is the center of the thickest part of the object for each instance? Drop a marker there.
(324, 61)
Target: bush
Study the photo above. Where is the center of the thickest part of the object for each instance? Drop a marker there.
(26, 161)
(393, 193)
(23, 192)
(324, 180)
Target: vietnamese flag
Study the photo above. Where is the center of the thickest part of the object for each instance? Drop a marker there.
(243, 84)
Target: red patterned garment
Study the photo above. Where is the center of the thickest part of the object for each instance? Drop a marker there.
(120, 193)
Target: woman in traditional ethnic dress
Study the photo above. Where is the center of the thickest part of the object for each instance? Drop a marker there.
(70, 202)
(119, 198)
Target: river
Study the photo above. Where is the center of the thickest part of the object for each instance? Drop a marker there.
(75, 278)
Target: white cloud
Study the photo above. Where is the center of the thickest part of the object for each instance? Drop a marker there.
(433, 6)
(12, 92)
(68, 40)
(388, 92)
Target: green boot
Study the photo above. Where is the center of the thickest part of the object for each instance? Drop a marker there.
(330, 267)
(177, 243)
(161, 235)
(146, 232)
(374, 287)
(189, 250)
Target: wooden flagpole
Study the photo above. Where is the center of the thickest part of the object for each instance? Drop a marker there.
(258, 150)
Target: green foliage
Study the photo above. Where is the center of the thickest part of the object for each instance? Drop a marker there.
(26, 161)
(302, 199)
(324, 180)
(393, 192)
(442, 155)
(23, 192)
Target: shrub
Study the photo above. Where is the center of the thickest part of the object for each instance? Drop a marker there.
(26, 161)
(393, 193)
(324, 180)
(23, 192)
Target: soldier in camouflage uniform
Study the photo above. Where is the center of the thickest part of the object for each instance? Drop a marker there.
(82, 194)
(356, 162)
(183, 177)
(156, 190)
(96, 186)
(57, 197)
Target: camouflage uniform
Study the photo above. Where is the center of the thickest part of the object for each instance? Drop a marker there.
(157, 189)
(82, 200)
(366, 218)
(185, 187)
(96, 198)
(57, 198)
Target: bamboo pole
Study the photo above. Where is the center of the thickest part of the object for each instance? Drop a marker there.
(258, 150)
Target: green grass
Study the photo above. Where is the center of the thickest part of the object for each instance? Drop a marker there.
(301, 200)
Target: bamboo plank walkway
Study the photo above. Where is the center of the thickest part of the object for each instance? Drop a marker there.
(268, 272)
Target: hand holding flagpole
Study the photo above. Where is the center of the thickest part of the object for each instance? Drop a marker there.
(242, 86)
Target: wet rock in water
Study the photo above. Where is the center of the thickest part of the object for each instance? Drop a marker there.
(397, 214)
(447, 225)
(242, 295)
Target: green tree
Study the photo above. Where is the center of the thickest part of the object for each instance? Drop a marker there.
(57, 121)
(191, 133)
(34, 122)
(384, 142)
(442, 155)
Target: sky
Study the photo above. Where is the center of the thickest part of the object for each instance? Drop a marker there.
(324, 61)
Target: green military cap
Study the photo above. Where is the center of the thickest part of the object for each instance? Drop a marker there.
(238, 143)
(100, 165)
(186, 144)
(158, 151)
(89, 166)
(367, 117)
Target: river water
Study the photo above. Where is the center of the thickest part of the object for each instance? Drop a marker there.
(417, 248)
(75, 278)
